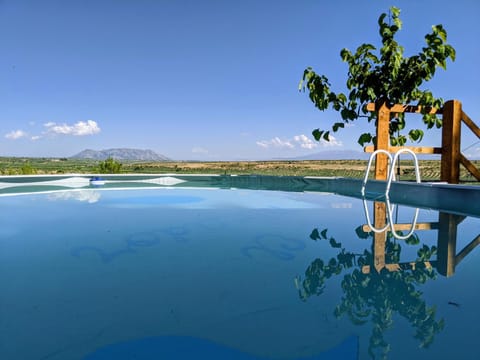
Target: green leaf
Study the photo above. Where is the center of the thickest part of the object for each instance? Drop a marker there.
(440, 31)
(413, 240)
(323, 234)
(334, 244)
(401, 140)
(317, 134)
(345, 54)
(395, 11)
(361, 234)
(338, 125)
(315, 235)
(416, 135)
(365, 138)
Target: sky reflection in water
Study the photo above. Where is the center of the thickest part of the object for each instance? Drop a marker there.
(270, 274)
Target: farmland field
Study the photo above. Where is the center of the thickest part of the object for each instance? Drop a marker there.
(429, 169)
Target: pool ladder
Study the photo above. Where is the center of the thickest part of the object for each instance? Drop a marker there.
(390, 222)
(391, 176)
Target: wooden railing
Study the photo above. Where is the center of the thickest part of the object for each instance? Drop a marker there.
(448, 258)
(451, 155)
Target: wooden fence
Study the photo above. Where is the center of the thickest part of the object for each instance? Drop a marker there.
(448, 258)
(451, 155)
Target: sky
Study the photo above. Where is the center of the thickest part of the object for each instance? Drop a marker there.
(204, 79)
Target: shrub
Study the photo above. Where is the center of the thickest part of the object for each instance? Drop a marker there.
(109, 166)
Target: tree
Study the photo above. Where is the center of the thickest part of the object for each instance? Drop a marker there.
(384, 78)
(109, 166)
(376, 297)
(27, 169)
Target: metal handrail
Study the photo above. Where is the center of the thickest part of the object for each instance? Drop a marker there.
(369, 223)
(390, 223)
(391, 175)
(374, 154)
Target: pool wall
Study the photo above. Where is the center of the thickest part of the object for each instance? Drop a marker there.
(460, 199)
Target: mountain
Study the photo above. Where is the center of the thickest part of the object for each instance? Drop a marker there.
(120, 154)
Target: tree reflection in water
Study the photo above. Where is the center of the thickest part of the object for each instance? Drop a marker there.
(376, 296)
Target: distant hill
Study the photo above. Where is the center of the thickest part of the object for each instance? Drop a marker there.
(357, 155)
(335, 155)
(354, 155)
(120, 154)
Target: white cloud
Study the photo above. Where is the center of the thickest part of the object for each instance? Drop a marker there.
(473, 153)
(263, 144)
(332, 143)
(342, 205)
(199, 150)
(89, 196)
(305, 142)
(16, 134)
(81, 128)
(298, 140)
(276, 142)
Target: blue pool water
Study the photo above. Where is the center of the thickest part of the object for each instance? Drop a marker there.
(104, 273)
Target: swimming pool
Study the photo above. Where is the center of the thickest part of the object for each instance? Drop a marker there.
(221, 270)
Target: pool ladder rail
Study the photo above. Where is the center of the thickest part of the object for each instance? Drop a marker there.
(391, 176)
(391, 173)
(390, 222)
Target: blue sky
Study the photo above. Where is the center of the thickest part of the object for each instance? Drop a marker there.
(203, 79)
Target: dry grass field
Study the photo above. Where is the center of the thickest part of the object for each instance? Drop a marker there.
(429, 169)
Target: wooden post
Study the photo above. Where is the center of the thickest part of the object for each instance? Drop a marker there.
(379, 239)
(383, 142)
(451, 133)
(447, 243)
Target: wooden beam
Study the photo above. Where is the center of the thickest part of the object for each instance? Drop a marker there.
(470, 167)
(399, 108)
(400, 266)
(467, 249)
(418, 226)
(415, 149)
(406, 227)
(389, 267)
(475, 129)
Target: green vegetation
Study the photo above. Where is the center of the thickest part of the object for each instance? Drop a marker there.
(385, 78)
(27, 169)
(109, 166)
(17, 166)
